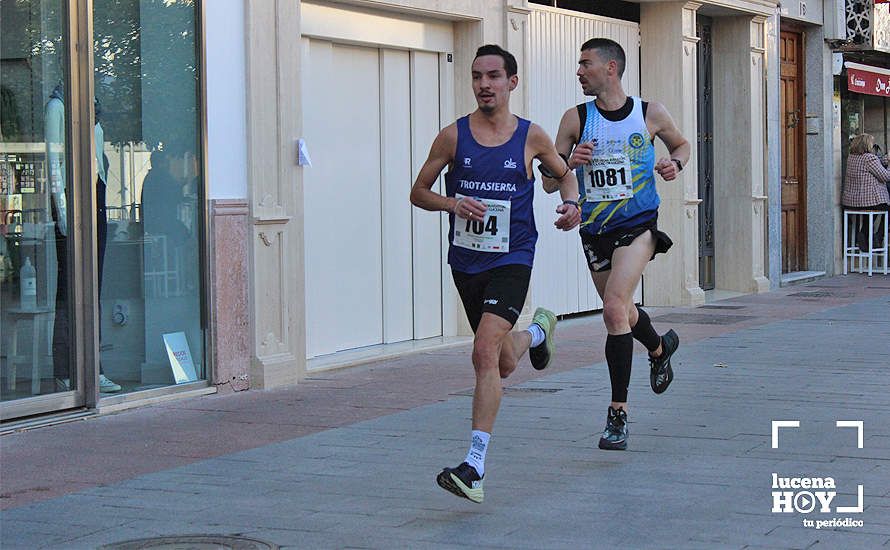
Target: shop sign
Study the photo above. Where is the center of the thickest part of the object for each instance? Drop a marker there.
(864, 81)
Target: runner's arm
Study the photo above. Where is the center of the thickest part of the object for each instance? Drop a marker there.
(662, 125)
(544, 150)
(441, 155)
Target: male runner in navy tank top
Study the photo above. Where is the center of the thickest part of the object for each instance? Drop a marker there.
(489, 190)
(610, 143)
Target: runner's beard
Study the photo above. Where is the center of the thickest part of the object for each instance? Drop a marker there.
(486, 107)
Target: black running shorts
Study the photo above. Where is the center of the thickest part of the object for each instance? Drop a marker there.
(500, 291)
(598, 249)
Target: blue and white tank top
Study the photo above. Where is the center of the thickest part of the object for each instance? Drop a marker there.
(497, 177)
(618, 187)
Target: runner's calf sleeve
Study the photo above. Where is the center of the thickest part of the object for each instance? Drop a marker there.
(619, 355)
(643, 331)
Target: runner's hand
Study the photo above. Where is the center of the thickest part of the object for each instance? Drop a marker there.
(570, 217)
(666, 168)
(469, 209)
(582, 154)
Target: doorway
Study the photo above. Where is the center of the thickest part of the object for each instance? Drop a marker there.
(706, 266)
(373, 264)
(794, 214)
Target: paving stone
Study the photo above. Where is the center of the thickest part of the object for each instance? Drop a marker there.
(697, 474)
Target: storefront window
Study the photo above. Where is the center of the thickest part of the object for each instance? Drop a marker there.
(874, 119)
(147, 186)
(149, 190)
(863, 113)
(35, 191)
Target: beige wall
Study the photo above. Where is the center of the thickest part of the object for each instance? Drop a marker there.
(739, 190)
(278, 343)
(668, 44)
(668, 58)
(669, 48)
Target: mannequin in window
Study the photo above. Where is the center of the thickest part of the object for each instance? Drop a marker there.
(164, 199)
(55, 143)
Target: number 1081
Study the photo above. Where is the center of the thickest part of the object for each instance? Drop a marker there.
(609, 176)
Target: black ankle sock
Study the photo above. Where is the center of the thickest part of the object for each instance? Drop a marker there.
(644, 332)
(619, 355)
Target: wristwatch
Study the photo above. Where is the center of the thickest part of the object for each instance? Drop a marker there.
(573, 203)
(679, 165)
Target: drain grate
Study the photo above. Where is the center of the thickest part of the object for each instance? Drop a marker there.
(811, 294)
(524, 391)
(192, 542)
(719, 306)
(824, 286)
(515, 391)
(822, 294)
(702, 319)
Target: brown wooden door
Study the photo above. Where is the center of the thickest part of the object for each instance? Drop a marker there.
(794, 213)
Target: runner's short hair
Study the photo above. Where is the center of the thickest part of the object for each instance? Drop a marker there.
(493, 49)
(609, 50)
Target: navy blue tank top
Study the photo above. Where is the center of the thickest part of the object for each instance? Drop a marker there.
(495, 174)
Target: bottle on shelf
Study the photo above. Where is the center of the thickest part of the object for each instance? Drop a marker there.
(28, 286)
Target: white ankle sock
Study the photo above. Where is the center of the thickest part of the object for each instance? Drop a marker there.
(476, 454)
(537, 334)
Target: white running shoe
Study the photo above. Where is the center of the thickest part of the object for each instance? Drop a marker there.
(107, 386)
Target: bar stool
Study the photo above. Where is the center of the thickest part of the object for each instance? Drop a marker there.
(858, 258)
(17, 317)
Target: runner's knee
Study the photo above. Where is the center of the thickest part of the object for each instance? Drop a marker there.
(614, 311)
(633, 314)
(485, 354)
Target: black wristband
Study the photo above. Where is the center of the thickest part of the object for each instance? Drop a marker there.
(573, 203)
(545, 171)
(548, 174)
(679, 165)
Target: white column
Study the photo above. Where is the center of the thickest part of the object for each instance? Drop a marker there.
(739, 153)
(275, 191)
(668, 46)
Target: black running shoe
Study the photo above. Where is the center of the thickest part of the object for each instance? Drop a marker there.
(661, 374)
(615, 435)
(463, 481)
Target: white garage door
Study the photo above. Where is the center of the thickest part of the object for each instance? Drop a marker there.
(561, 280)
(373, 263)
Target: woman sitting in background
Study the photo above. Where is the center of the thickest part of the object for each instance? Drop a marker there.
(865, 186)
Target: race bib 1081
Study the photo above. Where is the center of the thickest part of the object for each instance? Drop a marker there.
(608, 178)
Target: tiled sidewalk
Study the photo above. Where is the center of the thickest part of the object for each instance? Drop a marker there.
(348, 459)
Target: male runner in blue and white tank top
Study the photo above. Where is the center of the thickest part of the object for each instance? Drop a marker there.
(610, 143)
(489, 190)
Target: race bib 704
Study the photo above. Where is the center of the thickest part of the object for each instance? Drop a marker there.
(490, 234)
